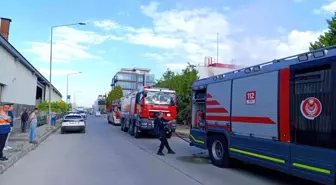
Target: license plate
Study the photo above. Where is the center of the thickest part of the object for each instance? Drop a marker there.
(73, 122)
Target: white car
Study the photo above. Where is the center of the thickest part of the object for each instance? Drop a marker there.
(82, 113)
(97, 113)
(73, 122)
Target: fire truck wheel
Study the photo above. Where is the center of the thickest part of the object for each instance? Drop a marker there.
(218, 151)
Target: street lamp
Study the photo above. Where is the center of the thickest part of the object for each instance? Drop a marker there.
(51, 44)
(67, 87)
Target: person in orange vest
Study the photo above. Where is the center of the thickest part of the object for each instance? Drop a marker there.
(5, 128)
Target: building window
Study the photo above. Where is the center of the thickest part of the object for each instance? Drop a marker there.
(140, 78)
(126, 92)
(126, 85)
(150, 78)
(129, 77)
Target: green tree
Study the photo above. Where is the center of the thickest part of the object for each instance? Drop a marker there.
(181, 83)
(115, 94)
(58, 107)
(108, 99)
(328, 38)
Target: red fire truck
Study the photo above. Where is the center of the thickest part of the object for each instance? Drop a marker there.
(113, 115)
(279, 115)
(141, 107)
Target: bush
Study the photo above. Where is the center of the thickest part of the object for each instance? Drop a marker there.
(58, 107)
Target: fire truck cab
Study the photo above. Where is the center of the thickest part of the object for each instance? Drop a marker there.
(113, 116)
(141, 107)
(279, 115)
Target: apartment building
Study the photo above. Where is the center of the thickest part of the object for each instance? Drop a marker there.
(130, 79)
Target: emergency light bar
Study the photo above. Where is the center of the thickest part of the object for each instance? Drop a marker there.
(303, 57)
(256, 68)
(247, 70)
(290, 60)
(319, 54)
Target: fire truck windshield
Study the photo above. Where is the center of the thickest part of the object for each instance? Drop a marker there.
(160, 98)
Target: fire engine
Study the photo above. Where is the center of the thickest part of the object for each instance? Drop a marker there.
(141, 107)
(113, 115)
(279, 115)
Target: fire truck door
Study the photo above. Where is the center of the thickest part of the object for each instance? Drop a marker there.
(197, 133)
(313, 118)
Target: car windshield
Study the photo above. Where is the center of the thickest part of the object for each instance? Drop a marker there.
(160, 98)
(73, 117)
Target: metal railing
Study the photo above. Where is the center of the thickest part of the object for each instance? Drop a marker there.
(42, 120)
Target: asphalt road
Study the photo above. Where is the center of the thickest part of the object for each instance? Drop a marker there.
(104, 155)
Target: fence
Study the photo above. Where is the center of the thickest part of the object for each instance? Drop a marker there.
(41, 120)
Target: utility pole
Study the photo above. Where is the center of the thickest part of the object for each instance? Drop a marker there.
(217, 45)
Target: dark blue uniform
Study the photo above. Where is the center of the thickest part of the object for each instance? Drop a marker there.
(160, 128)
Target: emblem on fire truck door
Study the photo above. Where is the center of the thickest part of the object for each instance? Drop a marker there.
(311, 108)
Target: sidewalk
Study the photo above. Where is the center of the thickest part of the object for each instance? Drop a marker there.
(21, 146)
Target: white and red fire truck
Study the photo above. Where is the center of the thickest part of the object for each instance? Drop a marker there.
(279, 115)
(141, 107)
(113, 114)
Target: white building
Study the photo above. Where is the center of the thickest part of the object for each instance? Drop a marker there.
(20, 82)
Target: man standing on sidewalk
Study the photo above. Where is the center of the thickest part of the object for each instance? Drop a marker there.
(10, 114)
(53, 119)
(33, 124)
(4, 129)
(24, 119)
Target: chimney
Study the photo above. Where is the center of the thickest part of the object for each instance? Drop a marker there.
(4, 27)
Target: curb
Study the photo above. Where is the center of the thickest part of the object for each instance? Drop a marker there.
(25, 150)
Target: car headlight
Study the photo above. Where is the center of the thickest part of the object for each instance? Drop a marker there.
(168, 114)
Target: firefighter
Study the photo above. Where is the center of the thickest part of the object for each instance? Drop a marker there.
(160, 125)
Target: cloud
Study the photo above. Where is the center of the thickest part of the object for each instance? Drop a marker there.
(154, 56)
(106, 24)
(69, 44)
(188, 35)
(150, 38)
(197, 28)
(327, 8)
